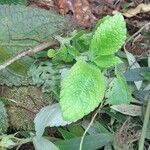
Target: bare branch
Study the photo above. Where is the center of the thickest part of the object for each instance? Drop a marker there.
(24, 53)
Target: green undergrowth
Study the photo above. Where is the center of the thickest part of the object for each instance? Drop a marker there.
(86, 74)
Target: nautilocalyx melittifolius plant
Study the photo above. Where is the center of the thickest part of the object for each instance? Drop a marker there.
(83, 88)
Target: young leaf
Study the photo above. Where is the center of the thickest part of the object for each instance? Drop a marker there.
(46, 75)
(43, 144)
(107, 61)
(118, 92)
(109, 36)
(49, 116)
(66, 54)
(82, 90)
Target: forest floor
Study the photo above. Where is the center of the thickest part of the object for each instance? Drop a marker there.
(84, 14)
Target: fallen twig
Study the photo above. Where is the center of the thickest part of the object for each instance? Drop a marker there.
(29, 51)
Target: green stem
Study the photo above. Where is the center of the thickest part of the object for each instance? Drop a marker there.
(145, 125)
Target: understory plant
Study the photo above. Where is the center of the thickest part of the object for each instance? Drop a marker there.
(85, 85)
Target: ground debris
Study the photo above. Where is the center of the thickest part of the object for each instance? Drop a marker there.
(80, 11)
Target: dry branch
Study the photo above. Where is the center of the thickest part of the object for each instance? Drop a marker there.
(26, 52)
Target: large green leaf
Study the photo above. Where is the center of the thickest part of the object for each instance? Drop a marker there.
(25, 27)
(82, 90)
(109, 36)
(118, 92)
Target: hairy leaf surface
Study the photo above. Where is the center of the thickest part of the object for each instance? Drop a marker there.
(25, 27)
(11, 79)
(82, 90)
(109, 36)
(107, 61)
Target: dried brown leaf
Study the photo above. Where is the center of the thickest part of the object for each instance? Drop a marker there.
(139, 9)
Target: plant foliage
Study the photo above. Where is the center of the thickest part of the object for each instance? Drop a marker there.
(25, 27)
(82, 91)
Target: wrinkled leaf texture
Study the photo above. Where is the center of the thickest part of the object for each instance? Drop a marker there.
(82, 91)
(109, 36)
(24, 27)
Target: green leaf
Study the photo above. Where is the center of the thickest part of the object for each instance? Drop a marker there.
(66, 134)
(109, 36)
(23, 2)
(3, 118)
(118, 92)
(133, 64)
(147, 76)
(100, 22)
(46, 74)
(136, 74)
(107, 61)
(43, 144)
(66, 54)
(49, 116)
(25, 27)
(91, 142)
(10, 79)
(82, 91)
(51, 53)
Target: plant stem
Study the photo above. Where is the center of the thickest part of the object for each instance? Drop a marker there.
(91, 122)
(135, 34)
(145, 125)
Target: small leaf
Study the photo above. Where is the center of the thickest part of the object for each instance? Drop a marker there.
(46, 75)
(109, 36)
(43, 144)
(82, 91)
(107, 61)
(66, 54)
(118, 92)
(49, 116)
(51, 53)
(7, 142)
